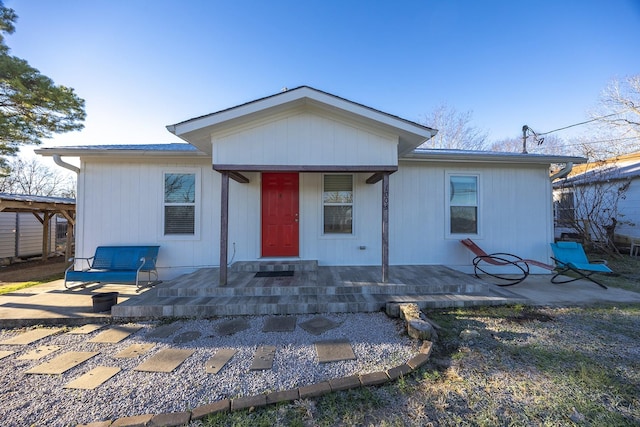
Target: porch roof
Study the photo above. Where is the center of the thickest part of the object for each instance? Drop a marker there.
(37, 204)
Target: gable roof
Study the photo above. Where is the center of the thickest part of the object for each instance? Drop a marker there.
(198, 130)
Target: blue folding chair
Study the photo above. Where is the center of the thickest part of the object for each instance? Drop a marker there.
(570, 256)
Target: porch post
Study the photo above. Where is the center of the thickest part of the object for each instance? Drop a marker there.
(224, 226)
(46, 235)
(70, 240)
(385, 228)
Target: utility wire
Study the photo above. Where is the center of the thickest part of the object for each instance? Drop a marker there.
(581, 123)
(597, 142)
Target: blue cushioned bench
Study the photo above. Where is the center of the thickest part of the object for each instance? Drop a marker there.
(116, 264)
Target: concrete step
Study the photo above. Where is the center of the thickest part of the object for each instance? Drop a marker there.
(275, 290)
(294, 304)
(256, 266)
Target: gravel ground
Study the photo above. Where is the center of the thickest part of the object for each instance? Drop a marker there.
(378, 343)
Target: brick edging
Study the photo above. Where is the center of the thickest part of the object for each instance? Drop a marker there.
(309, 391)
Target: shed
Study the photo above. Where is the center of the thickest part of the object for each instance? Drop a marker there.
(43, 208)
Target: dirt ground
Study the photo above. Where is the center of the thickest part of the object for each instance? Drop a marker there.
(33, 270)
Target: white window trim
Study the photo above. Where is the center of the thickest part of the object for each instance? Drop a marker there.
(198, 205)
(338, 236)
(447, 206)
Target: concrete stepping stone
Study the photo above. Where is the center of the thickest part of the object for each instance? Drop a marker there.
(334, 351)
(40, 352)
(186, 337)
(217, 362)
(233, 326)
(165, 360)
(94, 378)
(115, 334)
(5, 353)
(263, 358)
(134, 350)
(280, 324)
(62, 363)
(164, 331)
(86, 329)
(31, 336)
(318, 325)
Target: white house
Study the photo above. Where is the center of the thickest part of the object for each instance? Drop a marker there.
(596, 193)
(307, 175)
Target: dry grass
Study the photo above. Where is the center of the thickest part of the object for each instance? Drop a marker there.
(23, 275)
(537, 367)
(527, 367)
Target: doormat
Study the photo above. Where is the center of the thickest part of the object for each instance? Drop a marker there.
(274, 274)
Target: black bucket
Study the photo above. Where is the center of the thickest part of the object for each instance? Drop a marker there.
(104, 301)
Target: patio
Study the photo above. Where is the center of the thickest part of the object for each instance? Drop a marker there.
(309, 288)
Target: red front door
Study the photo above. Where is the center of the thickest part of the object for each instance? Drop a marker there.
(279, 214)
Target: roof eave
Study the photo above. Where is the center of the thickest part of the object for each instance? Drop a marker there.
(88, 152)
(488, 157)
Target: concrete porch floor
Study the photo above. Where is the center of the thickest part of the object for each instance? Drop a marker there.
(311, 290)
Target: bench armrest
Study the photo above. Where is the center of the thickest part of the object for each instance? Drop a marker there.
(73, 260)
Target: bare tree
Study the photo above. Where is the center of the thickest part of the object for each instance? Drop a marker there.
(616, 121)
(588, 204)
(550, 144)
(454, 130)
(34, 178)
(621, 99)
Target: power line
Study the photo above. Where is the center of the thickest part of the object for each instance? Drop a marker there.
(581, 123)
(630, 138)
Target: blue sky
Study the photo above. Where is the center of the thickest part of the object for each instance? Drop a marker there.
(143, 64)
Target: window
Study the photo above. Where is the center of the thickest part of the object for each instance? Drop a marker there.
(179, 203)
(463, 204)
(337, 199)
(564, 209)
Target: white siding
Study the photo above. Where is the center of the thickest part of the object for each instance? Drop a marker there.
(629, 210)
(514, 214)
(305, 139)
(7, 234)
(21, 235)
(122, 204)
(518, 223)
(245, 223)
(341, 249)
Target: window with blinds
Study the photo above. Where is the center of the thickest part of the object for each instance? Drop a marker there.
(179, 203)
(337, 199)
